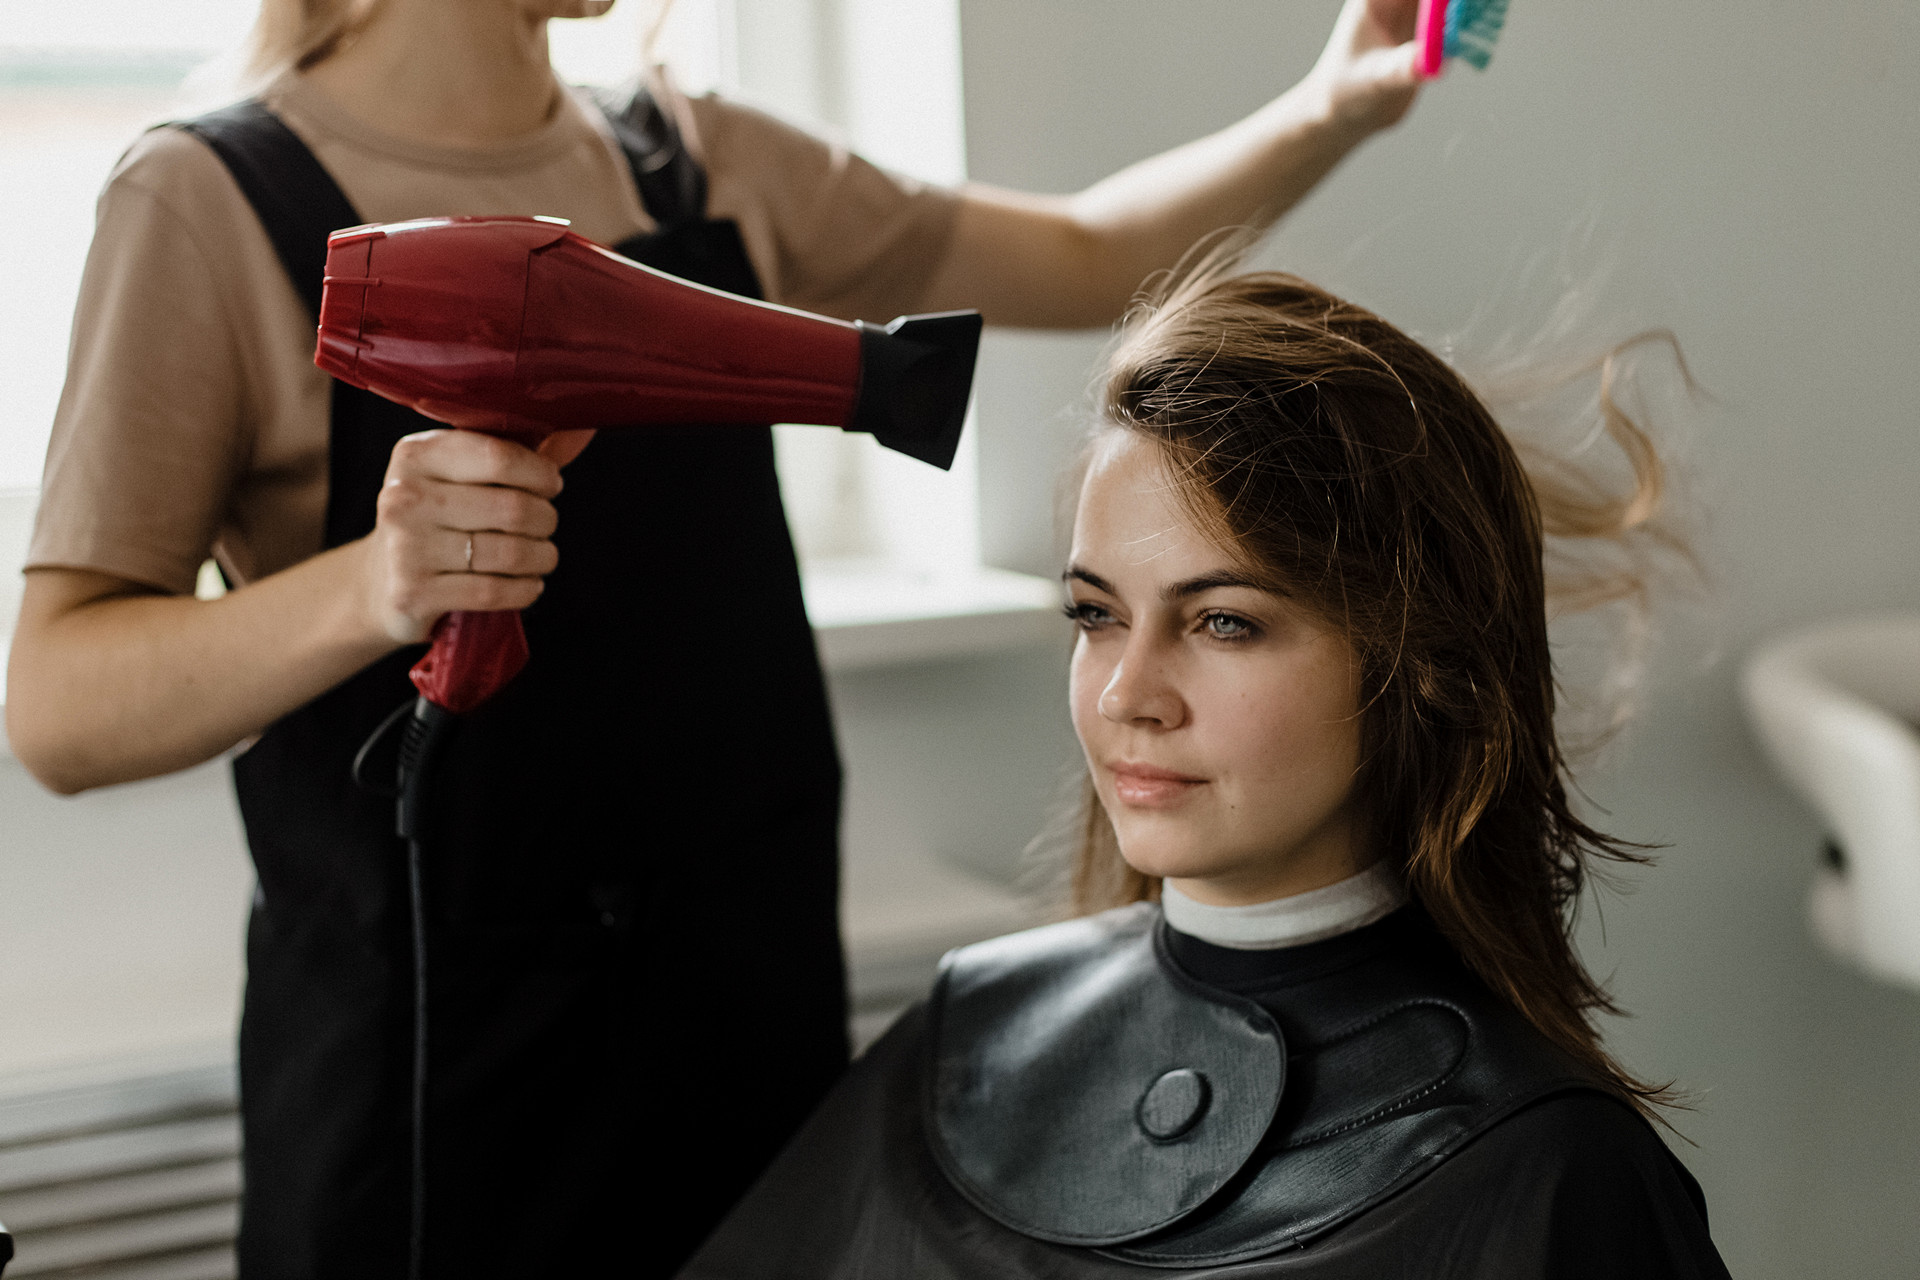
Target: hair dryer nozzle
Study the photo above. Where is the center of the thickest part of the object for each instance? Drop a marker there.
(915, 376)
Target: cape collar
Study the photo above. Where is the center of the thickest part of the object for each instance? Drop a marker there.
(1084, 1088)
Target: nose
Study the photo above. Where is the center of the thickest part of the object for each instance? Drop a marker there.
(1141, 693)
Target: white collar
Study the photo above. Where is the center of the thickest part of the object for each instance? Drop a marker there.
(1291, 921)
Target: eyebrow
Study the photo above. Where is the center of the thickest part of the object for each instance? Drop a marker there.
(1185, 589)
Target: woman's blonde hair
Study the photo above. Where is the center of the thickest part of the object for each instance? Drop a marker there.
(1352, 468)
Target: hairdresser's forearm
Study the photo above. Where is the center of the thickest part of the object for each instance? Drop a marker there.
(1077, 261)
(1247, 175)
(106, 688)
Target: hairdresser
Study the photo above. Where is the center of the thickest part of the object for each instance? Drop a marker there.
(637, 986)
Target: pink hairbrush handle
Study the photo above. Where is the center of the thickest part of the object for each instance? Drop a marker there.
(1430, 33)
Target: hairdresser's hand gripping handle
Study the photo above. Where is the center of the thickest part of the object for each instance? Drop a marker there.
(518, 327)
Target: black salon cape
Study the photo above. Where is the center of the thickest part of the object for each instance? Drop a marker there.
(1574, 1186)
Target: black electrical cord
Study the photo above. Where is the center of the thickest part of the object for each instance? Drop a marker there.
(425, 727)
(417, 1216)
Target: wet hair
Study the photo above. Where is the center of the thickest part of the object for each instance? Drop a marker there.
(1345, 464)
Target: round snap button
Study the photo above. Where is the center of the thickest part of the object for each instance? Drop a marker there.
(1173, 1104)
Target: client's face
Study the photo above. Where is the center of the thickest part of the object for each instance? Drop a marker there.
(1221, 721)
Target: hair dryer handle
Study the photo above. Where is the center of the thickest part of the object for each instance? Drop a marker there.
(473, 657)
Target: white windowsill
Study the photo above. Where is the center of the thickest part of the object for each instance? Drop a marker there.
(869, 614)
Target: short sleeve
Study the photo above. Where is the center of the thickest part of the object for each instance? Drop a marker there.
(148, 440)
(827, 231)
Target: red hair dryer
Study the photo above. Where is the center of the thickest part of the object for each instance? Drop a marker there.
(518, 327)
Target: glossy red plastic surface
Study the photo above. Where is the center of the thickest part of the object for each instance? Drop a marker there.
(519, 327)
(473, 657)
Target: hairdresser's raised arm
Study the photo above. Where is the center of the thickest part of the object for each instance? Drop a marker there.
(1076, 260)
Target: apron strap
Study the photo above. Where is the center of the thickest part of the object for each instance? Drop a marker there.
(672, 185)
(291, 192)
(300, 204)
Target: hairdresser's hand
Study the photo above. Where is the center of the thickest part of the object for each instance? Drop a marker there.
(1368, 72)
(442, 489)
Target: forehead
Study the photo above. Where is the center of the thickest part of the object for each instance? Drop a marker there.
(1131, 516)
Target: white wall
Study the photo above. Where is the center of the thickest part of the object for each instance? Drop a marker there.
(1749, 175)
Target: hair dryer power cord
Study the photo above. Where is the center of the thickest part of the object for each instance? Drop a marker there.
(424, 728)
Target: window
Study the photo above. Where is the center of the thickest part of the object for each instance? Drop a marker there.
(884, 538)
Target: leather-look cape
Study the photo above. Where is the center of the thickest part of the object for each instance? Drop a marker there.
(1107, 1097)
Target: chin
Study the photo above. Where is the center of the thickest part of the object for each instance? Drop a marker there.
(1152, 854)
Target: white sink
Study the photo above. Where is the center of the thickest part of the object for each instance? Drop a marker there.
(1838, 710)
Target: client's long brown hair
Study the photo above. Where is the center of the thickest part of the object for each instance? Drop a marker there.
(1350, 467)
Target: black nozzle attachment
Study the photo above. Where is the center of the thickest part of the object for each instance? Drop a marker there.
(915, 376)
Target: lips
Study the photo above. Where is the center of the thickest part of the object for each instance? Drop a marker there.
(1147, 786)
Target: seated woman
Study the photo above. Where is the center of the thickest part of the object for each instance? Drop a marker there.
(1338, 1028)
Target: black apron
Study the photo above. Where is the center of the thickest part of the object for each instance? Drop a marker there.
(637, 990)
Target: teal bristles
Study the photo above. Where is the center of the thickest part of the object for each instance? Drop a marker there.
(1472, 27)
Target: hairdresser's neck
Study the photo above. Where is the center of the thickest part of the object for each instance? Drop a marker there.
(472, 74)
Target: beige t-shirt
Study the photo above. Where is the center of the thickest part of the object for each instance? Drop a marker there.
(193, 420)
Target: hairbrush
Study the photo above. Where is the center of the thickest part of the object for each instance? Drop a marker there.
(1464, 29)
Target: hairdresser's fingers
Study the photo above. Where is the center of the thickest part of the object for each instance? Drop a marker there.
(470, 457)
(414, 503)
(564, 446)
(412, 554)
(1369, 71)
(416, 556)
(1388, 22)
(467, 507)
(1364, 25)
(406, 591)
(434, 598)
(425, 527)
(497, 554)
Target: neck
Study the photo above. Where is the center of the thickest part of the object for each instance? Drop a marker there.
(470, 74)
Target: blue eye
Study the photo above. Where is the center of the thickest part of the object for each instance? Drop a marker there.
(1227, 626)
(1088, 616)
